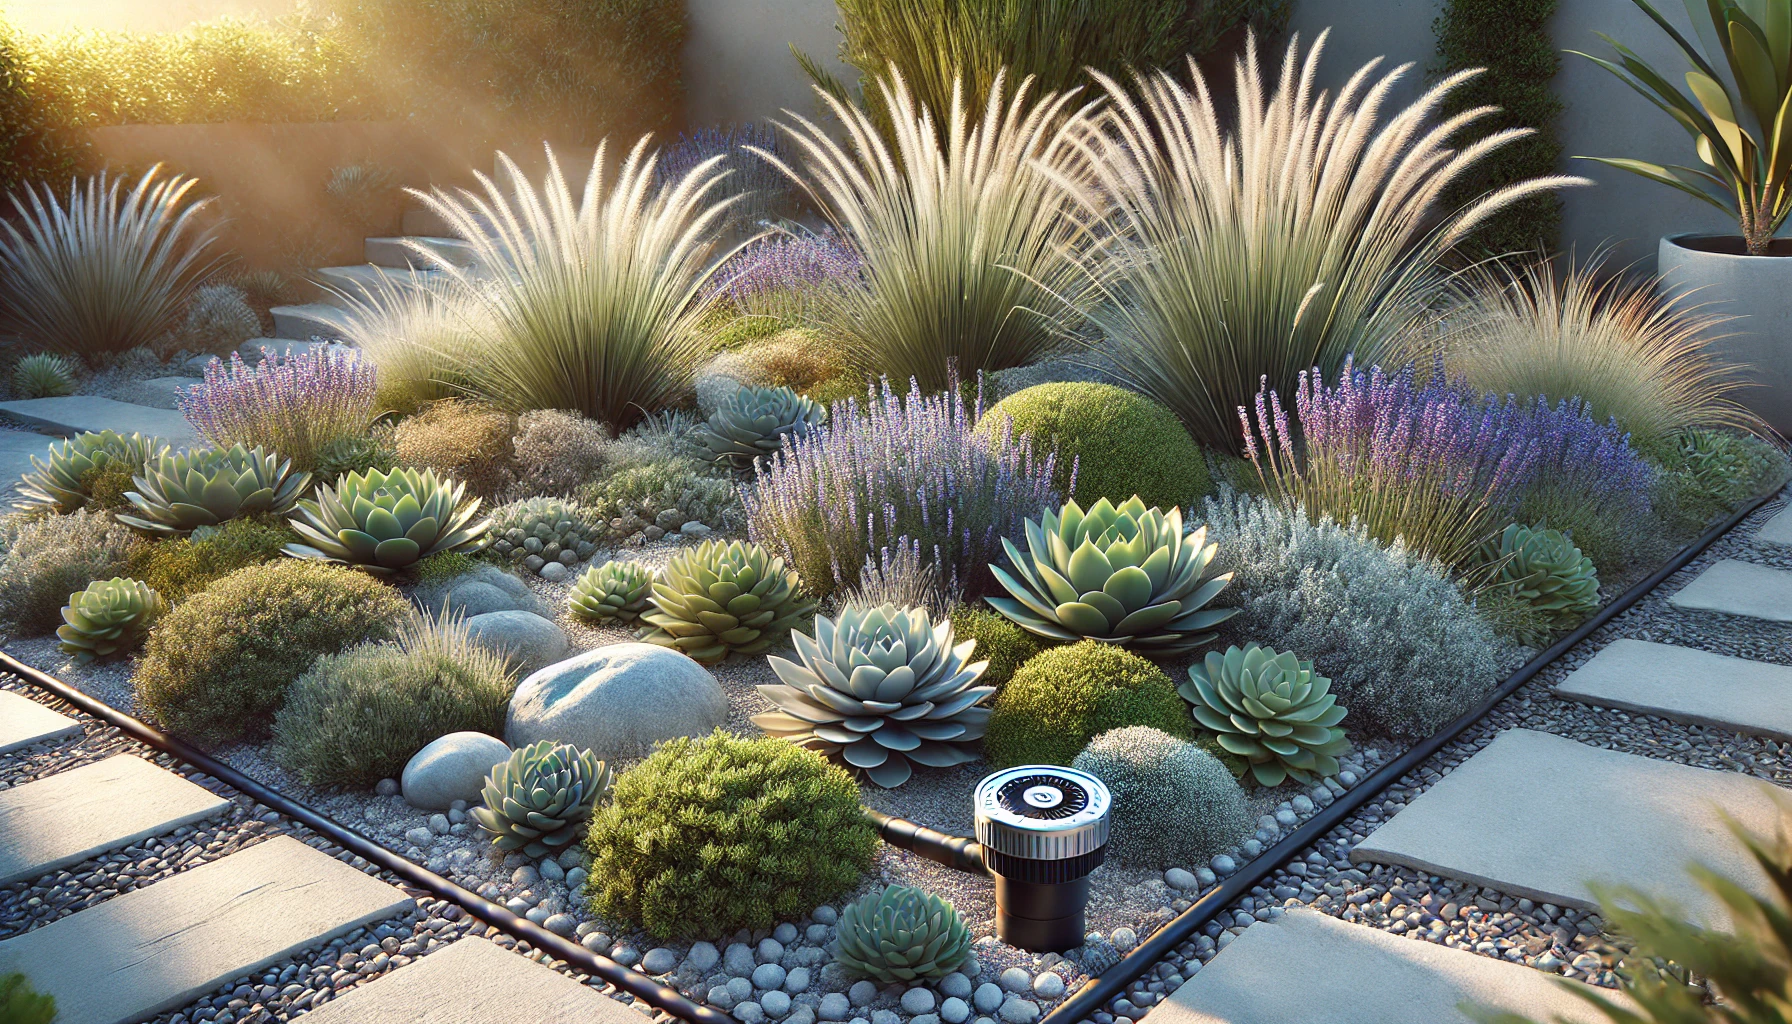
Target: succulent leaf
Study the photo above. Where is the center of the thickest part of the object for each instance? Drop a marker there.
(59, 483)
(382, 522)
(538, 799)
(179, 493)
(901, 934)
(611, 591)
(109, 617)
(1271, 709)
(537, 531)
(754, 422)
(694, 609)
(1545, 570)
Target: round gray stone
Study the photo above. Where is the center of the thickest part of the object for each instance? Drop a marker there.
(1015, 979)
(1049, 985)
(775, 1004)
(785, 933)
(450, 768)
(617, 701)
(956, 984)
(769, 951)
(797, 980)
(659, 960)
(988, 997)
(737, 959)
(741, 988)
(554, 572)
(955, 1010)
(720, 998)
(702, 957)
(527, 639)
(917, 1000)
(749, 1012)
(834, 1006)
(862, 993)
(1123, 938)
(825, 914)
(560, 924)
(1019, 1011)
(1181, 880)
(477, 597)
(768, 976)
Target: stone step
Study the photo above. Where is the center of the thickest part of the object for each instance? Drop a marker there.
(394, 252)
(16, 449)
(1281, 971)
(166, 944)
(367, 281)
(1778, 530)
(424, 223)
(1687, 685)
(70, 816)
(24, 721)
(1738, 588)
(302, 323)
(473, 982)
(1540, 816)
(72, 415)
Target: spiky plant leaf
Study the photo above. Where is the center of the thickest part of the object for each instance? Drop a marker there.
(59, 483)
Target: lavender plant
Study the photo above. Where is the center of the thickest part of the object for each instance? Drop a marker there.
(898, 470)
(777, 275)
(291, 404)
(764, 192)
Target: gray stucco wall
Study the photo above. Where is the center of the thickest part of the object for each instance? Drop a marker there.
(737, 60)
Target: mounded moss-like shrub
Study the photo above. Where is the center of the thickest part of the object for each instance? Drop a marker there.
(464, 440)
(1174, 803)
(182, 566)
(357, 717)
(708, 836)
(217, 667)
(556, 452)
(49, 558)
(1003, 644)
(1121, 442)
(1065, 696)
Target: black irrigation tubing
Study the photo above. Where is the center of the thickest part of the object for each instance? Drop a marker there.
(633, 982)
(1111, 983)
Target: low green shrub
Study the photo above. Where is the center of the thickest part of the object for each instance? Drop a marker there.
(556, 452)
(661, 495)
(357, 717)
(182, 566)
(22, 1004)
(1174, 803)
(999, 641)
(217, 667)
(1065, 696)
(107, 484)
(49, 558)
(1120, 442)
(707, 836)
(443, 566)
(469, 442)
(1706, 474)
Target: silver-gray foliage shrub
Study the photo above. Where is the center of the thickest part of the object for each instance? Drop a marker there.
(1174, 803)
(1403, 648)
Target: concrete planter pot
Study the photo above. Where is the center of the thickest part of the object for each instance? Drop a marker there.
(1714, 272)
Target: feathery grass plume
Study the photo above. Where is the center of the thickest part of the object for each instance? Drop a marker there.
(107, 271)
(290, 404)
(1301, 228)
(418, 335)
(963, 235)
(1614, 343)
(587, 301)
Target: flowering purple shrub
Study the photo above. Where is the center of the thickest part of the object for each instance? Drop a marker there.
(897, 471)
(1437, 463)
(291, 404)
(765, 191)
(771, 276)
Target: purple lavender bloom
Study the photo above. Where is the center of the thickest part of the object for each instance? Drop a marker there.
(765, 190)
(290, 404)
(776, 271)
(898, 471)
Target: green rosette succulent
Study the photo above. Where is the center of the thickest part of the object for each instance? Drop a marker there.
(539, 800)
(1545, 570)
(536, 531)
(109, 617)
(881, 690)
(718, 598)
(1128, 576)
(382, 522)
(901, 935)
(754, 421)
(177, 494)
(613, 591)
(43, 376)
(59, 484)
(1272, 710)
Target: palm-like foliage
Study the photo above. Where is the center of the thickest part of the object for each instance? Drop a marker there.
(1627, 351)
(1300, 229)
(1741, 123)
(587, 300)
(107, 270)
(963, 234)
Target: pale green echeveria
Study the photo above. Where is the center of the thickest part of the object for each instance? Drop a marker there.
(1544, 569)
(720, 598)
(382, 522)
(180, 493)
(901, 935)
(881, 689)
(611, 591)
(538, 800)
(1126, 575)
(109, 617)
(1272, 710)
(754, 421)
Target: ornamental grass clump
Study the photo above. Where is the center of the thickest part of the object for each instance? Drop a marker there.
(898, 469)
(291, 404)
(43, 376)
(1288, 234)
(707, 836)
(901, 935)
(961, 223)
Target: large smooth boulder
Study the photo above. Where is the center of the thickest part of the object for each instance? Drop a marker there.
(450, 768)
(529, 640)
(617, 701)
(484, 590)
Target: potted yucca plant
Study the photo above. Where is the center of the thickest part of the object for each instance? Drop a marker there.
(1737, 106)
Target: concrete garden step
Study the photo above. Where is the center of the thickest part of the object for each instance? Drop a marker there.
(76, 413)
(367, 281)
(473, 982)
(16, 449)
(1537, 815)
(24, 721)
(302, 323)
(394, 252)
(1687, 685)
(1778, 530)
(1739, 588)
(70, 816)
(1313, 968)
(164, 945)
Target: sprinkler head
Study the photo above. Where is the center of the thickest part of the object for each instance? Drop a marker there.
(1043, 829)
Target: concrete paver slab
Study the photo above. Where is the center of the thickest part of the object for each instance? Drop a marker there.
(1739, 588)
(16, 449)
(1316, 969)
(1778, 529)
(473, 982)
(76, 413)
(301, 323)
(24, 721)
(71, 816)
(1687, 685)
(164, 945)
(1541, 816)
